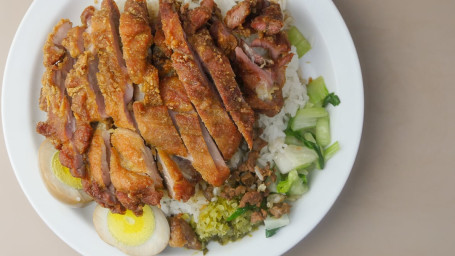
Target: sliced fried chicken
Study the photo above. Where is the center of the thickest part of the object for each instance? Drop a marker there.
(87, 102)
(112, 77)
(74, 41)
(187, 169)
(152, 117)
(197, 86)
(204, 154)
(98, 181)
(136, 36)
(133, 171)
(157, 128)
(219, 68)
(54, 51)
(178, 186)
(71, 138)
(161, 57)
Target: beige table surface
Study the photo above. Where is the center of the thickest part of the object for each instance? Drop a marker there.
(400, 197)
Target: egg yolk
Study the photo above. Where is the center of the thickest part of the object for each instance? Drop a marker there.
(130, 229)
(63, 173)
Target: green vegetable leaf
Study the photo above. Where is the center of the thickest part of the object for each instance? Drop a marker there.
(299, 41)
(271, 232)
(304, 178)
(286, 184)
(317, 91)
(332, 98)
(313, 145)
(331, 150)
(240, 211)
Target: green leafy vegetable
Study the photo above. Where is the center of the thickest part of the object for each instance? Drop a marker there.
(310, 143)
(307, 118)
(273, 223)
(317, 91)
(332, 98)
(293, 185)
(298, 188)
(240, 211)
(323, 131)
(271, 232)
(331, 150)
(294, 157)
(285, 185)
(292, 140)
(299, 41)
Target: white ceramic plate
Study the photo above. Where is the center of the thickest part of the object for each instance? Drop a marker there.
(333, 56)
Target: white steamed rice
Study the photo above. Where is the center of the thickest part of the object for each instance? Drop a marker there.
(295, 97)
(193, 206)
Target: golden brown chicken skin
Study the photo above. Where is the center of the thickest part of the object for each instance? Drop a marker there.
(133, 171)
(207, 161)
(112, 77)
(196, 84)
(152, 117)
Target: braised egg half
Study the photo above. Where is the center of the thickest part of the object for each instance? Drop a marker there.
(134, 235)
(58, 179)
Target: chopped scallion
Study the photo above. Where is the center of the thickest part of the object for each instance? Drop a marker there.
(240, 211)
(271, 232)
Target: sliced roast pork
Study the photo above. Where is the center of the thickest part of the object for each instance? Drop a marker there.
(199, 16)
(237, 15)
(270, 20)
(225, 40)
(261, 92)
(263, 83)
